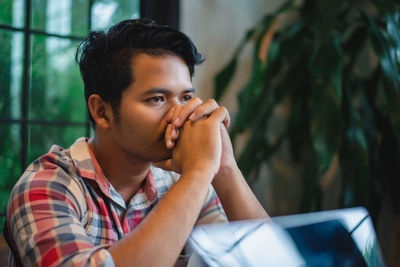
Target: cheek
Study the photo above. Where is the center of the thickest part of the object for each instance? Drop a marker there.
(142, 120)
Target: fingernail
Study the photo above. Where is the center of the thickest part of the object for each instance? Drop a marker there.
(191, 117)
(176, 122)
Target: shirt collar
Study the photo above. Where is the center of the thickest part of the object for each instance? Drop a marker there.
(88, 167)
(82, 160)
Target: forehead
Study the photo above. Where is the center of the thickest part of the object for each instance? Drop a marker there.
(165, 71)
(158, 64)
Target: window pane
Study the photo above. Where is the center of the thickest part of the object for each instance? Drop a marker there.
(42, 137)
(66, 17)
(56, 86)
(105, 13)
(10, 161)
(11, 57)
(12, 12)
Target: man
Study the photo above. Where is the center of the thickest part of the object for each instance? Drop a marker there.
(101, 202)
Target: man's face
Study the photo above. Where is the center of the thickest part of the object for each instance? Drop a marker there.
(159, 83)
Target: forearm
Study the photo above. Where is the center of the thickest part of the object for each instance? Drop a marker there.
(236, 197)
(166, 228)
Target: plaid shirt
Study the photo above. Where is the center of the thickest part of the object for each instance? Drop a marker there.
(63, 211)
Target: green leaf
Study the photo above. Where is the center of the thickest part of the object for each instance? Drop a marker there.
(223, 78)
(312, 195)
(385, 5)
(393, 89)
(325, 130)
(354, 158)
(251, 158)
(247, 108)
(354, 43)
(298, 124)
(387, 53)
(257, 96)
(287, 6)
(326, 68)
(250, 94)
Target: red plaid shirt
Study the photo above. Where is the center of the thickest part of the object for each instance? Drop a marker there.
(63, 211)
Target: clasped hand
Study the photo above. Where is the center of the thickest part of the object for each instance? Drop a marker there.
(197, 135)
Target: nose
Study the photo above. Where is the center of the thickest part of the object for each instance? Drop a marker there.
(168, 112)
(173, 101)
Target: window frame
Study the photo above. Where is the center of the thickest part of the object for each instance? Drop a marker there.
(164, 12)
(24, 122)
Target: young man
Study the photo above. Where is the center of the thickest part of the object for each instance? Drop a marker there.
(103, 201)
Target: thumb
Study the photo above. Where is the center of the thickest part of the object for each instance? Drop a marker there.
(164, 164)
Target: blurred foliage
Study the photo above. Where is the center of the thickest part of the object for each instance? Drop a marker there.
(55, 93)
(335, 63)
(55, 90)
(54, 19)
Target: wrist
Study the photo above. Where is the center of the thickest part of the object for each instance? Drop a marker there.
(199, 175)
(227, 171)
(204, 167)
(226, 176)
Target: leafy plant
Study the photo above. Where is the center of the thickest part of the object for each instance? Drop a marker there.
(334, 65)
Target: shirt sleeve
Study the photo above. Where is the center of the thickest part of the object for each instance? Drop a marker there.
(44, 214)
(211, 212)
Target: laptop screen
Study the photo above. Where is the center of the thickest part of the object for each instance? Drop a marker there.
(329, 238)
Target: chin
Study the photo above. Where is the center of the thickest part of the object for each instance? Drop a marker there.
(163, 154)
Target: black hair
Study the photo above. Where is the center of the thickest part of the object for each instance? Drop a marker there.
(105, 57)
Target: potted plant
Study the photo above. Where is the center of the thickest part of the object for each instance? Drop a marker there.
(334, 67)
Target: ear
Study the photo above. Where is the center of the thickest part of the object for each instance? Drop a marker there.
(101, 111)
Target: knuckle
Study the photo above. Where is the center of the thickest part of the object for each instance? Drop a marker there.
(196, 100)
(224, 109)
(177, 110)
(178, 107)
(212, 102)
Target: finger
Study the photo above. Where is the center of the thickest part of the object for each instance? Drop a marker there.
(168, 117)
(175, 115)
(205, 109)
(169, 143)
(181, 114)
(221, 115)
(175, 133)
(227, 120)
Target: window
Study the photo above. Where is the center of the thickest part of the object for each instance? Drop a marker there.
(41, 91)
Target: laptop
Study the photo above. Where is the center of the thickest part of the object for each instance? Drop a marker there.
(343, 237)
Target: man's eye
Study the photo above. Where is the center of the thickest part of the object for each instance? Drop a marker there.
(186, 98)
(156, 99)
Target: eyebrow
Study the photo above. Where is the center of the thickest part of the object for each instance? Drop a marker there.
(164, 91)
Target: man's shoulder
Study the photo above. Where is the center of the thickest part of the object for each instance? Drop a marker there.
(56, 165)
(56, 158)
(52, 176)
